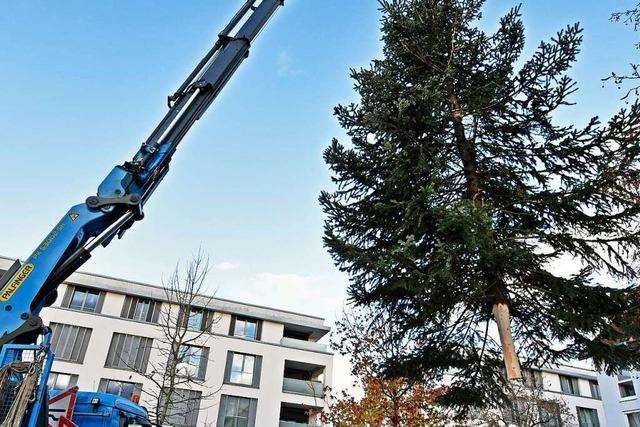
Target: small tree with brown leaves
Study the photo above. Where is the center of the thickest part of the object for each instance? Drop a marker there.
(393, 402)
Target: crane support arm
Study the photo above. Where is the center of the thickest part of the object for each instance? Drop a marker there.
(28, 287)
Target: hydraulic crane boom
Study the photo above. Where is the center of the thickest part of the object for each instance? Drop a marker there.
(28, 287)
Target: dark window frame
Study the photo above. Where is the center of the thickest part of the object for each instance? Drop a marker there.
(235, 319)
(202, 362)
(256, 374)
(224, 405)
(191, 419)
(206, 319)
(533, 378)
(590, 411)
(55, 375)
(572, 382)
(549, 414)
(104, 384)
(625, 381)
(130, 307)
(138, 362)
(594, 388)
(70, 296)
(61, 335)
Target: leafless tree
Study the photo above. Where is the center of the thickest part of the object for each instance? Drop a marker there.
(527, 406)
(630, 17)
(182, 350)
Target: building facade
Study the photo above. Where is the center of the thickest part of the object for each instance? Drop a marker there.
(264, 366)
(577, 388)
(620, 398)
(593, 398)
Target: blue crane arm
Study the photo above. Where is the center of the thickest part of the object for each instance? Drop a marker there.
(29, 286)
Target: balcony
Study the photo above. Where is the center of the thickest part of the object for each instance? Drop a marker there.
(303, 378)
(303, 345)
(295, 424)
(306, 387)
(292, 415)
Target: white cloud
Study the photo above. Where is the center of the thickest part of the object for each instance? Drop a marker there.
(284, 281)
(283, 64)
(315, 295)
(319, 295)
(306, 294)
(226, 265)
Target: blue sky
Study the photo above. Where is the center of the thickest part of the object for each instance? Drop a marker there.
(83, 83)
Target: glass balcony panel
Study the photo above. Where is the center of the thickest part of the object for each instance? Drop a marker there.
(294, 424)
(309, 388)
(303, 345)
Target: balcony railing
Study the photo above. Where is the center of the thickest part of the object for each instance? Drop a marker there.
(309, 388)
(303, 345)
(294, 424)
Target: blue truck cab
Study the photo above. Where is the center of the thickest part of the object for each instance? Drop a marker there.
(93, 409)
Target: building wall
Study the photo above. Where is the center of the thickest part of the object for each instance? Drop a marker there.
(616, 407)
(552, 387)
(612, 409)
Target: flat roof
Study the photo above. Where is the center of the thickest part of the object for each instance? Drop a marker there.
(313, 324)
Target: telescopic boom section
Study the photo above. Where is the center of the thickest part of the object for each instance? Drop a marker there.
(28, 287)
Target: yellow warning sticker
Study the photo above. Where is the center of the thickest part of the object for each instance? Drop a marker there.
(73, 216)
(15, 282)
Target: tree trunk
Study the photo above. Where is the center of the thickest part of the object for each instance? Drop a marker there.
(511, 362)
(467, 152)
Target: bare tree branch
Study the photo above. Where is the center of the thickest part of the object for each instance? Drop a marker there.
(183, 347)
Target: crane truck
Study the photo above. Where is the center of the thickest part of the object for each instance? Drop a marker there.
(29, 286)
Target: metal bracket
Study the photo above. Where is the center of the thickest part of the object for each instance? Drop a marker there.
(134, 200)
(27, 332)
(96, 202)
(224, 38)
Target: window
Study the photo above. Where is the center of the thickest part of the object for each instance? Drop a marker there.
(522, 412)
(515, 412)
(549, 413)
(595, 389)
(194, 322)
(237, 411)
(193, 361)
(183, 408)
(129, 352)
(634, 419)
(625, 385)
(85, 299)
(587, 417)
(243, 369)
(569, 385)
(245, 327)
(69, 342)
(142, 309)
(61, 381)
(532, 378)
(199, 319)
(120, 388)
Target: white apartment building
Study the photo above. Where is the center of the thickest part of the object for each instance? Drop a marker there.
(267, 364)
(620, 398)
(593, 398)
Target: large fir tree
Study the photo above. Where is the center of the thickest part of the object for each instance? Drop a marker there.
(459, 190)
